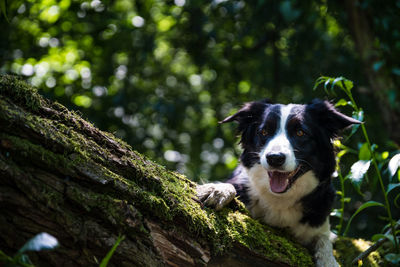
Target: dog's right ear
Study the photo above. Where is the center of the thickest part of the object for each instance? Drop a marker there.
(248, 117)
(250, 112)
(240, 115)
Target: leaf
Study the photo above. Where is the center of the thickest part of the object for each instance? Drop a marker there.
(364, 153)
(391, 187)
(390, 238)
(393, 258)
(319, 81)
(348, 84)
(394, 164)
(42, 241)
(395, 201)
(354, 129)
(341, 153)
(398, 176)
(4, 257)
(377, 65)
(336, 213)
(396, 71)
(327, 82)
(358, 170)
(344, 84)
(288, 11)
(24, 260)
(358, 115)
(376, 237)
(361, 208)
(335, 81)
(107, 258)
(341, 102)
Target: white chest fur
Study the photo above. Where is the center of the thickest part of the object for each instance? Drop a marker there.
(282, 210)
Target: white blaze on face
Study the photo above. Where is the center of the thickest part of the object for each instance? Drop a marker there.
(280, 143)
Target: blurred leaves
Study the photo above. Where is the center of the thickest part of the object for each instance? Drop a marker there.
(393, 258)
(161, 74)
(157, 72)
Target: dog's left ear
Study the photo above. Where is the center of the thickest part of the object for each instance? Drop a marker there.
(329, 117)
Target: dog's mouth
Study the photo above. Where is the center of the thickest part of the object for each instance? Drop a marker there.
(280, 181)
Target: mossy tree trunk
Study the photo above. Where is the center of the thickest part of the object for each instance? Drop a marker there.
(61, 175)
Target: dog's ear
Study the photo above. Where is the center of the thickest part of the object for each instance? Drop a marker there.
(250, 112)
(326, 114)
(239, 116)
(248, 117)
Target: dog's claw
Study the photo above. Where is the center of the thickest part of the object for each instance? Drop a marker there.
(216, 195)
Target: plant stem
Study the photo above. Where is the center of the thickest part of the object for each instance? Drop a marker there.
(375, 246)
(387, 205)
(341, 201)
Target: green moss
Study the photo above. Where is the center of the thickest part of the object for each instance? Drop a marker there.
(27, 149)
(131, 178)
(347, 249)
(222, 229)
(20, 92)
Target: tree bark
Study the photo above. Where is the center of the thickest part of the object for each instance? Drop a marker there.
(61, 175)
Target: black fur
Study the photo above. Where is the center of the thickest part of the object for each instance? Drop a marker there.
(319, 121)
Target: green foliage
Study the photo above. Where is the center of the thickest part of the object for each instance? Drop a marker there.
(361, 208)
(367, 154)
(161, 74)
(107, 258)
(40, 242)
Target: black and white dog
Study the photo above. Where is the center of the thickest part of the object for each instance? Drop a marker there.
(285, 173)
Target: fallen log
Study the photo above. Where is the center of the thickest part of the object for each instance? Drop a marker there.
(61, 175)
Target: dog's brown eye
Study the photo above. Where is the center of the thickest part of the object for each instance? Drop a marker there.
(300, 133)
(264, 132)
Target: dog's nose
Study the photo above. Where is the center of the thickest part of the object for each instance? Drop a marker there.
(276, 159)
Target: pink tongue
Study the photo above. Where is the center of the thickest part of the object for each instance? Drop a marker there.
(278, 181)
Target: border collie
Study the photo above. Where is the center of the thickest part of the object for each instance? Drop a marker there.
(284, 177)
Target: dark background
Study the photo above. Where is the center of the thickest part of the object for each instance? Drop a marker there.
(161, 74)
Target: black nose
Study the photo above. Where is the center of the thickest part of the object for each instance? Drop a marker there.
(276, 159)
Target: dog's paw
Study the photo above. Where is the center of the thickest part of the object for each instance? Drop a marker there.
(325, 258)
(216, 195)
(324, 252)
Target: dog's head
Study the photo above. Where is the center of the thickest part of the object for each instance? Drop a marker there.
(289, 140)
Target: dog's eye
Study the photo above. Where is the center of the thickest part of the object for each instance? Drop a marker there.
(264, 132)
(300, 133)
